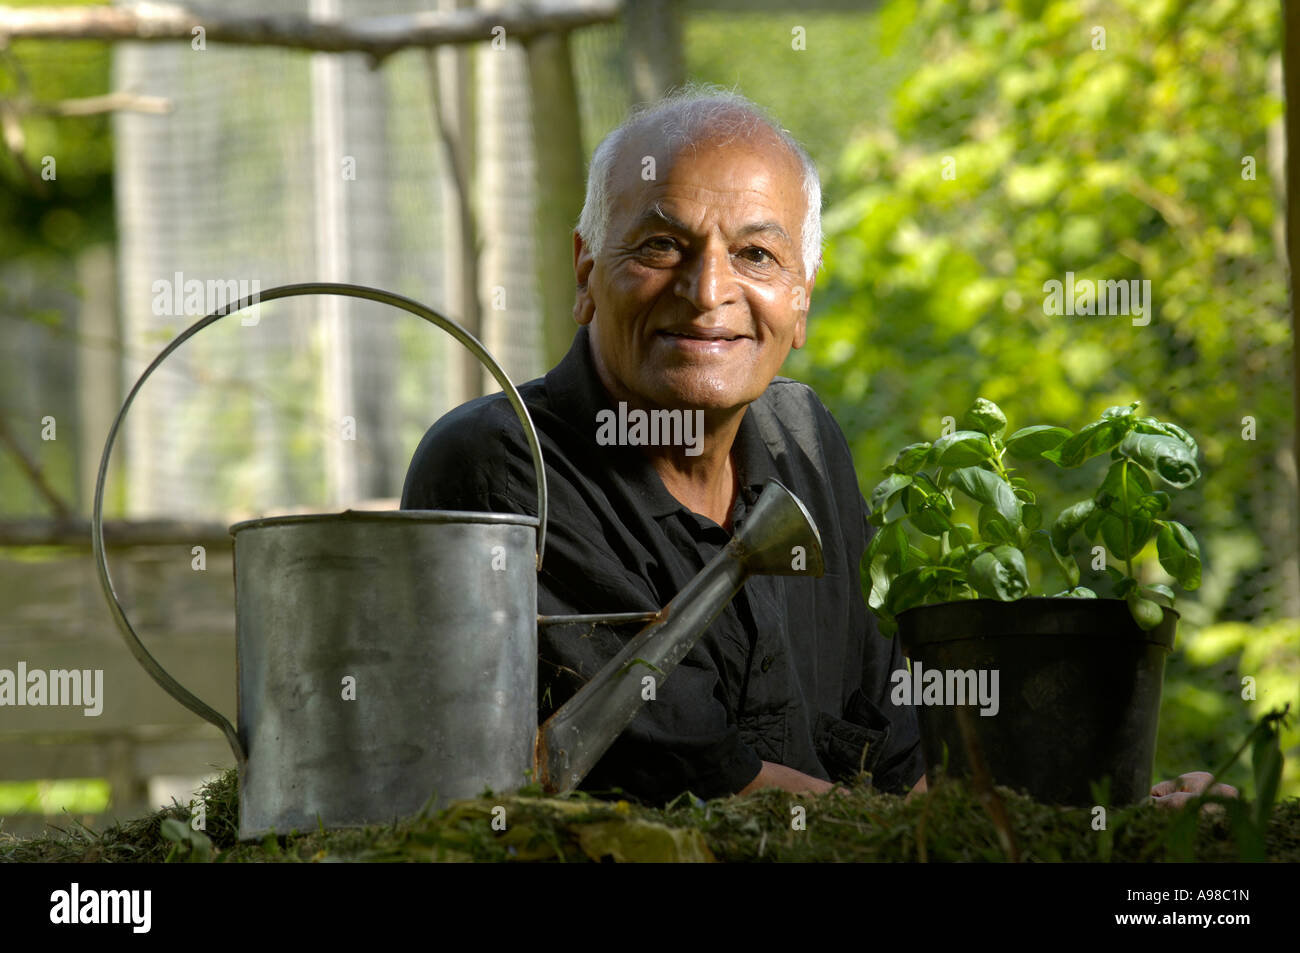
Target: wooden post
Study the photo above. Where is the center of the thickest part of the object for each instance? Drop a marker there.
(654, 48)
(1291, 71)
(453, 105)
(128, 792)
(557, 146)
(99, 387)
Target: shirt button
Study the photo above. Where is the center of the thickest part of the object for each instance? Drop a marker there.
(766, 663)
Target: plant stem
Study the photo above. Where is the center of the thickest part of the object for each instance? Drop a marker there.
(1128, 536)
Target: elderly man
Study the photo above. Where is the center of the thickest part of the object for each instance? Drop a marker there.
(695, 259)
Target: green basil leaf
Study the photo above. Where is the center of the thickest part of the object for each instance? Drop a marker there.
(1000, 574)
(959, 557)
(1069, 568)
(927, 506)
(1145, 613)
(882, 551)
(914, 557)
(1180, 555)
(1029, 442)
(993, 526)
(912, 457)
(1123, 488)
(1159, 593)
(986, 417)
(1153, 504)
(879, 583)
(1092, 523)
(1077, 592)
(910, 589)
(885, 492)
(1096, 438)
(1151, 425)
(1112, 534)
(1166, 456)
(1071, 518)
(963, 448)
(896, 547)
(984, 486)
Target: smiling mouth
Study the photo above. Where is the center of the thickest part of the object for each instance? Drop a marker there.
(706, 336)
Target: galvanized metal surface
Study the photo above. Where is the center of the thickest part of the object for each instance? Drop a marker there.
(384, 659)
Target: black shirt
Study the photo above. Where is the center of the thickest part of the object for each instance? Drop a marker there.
(793, 671)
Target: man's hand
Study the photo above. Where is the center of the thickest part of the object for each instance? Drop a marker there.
(1176, 793)
(919, 788)
(773, 775)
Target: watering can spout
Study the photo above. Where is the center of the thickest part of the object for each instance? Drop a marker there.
(778, 538)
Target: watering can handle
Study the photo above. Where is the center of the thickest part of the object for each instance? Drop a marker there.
(149, 663)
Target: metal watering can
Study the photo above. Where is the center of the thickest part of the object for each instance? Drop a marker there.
(387, 661)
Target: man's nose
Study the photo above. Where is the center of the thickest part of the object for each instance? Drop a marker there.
(708, 281)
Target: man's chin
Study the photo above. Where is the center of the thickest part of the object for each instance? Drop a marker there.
(709, 397)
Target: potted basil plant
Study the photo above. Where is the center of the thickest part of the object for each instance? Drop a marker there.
(1051, 693)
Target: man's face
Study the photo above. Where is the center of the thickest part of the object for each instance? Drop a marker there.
(699, 293)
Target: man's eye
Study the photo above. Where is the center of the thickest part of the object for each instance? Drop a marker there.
(759, 256)
(661, 243)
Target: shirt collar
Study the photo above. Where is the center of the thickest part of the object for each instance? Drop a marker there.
(577, 395)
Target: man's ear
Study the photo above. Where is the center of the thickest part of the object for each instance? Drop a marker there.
(584, 308)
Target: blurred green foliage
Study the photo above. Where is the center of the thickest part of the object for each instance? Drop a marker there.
(41, 217)
(1025, 143)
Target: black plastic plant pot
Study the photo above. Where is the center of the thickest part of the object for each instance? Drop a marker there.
(1077, 695)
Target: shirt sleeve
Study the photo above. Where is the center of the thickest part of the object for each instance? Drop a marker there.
(683, 740)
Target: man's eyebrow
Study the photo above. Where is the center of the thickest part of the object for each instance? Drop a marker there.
(656, 216)
(765, 227)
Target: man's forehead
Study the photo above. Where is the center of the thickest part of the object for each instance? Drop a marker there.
(755, 175)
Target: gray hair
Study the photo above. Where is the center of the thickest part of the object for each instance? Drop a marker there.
(685, 117)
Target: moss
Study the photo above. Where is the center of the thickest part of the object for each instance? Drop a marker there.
(952, 823)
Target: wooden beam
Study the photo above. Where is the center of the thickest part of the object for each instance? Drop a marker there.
(76, 532)
(378, 36)
(45, 758)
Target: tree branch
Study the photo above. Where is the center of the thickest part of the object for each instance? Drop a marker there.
(94, 105)
(378, 36)
(33, 471)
